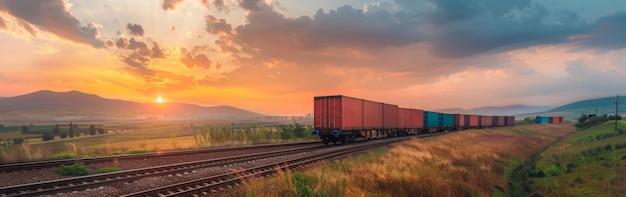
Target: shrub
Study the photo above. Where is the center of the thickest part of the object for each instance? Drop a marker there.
(61, 156)
(78, 169)
(47, 137)
(18, 140)
(107, 170)
(63, 135)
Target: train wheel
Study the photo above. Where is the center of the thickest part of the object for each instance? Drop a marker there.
(326, 141)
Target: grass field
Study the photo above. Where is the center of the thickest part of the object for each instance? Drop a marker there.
(590, 162)
(466, 163)
(136, 137)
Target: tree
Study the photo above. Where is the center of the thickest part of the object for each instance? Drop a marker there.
(71, 130)
(56, 129)
(47, 137)
(25, 129)
(18, 140)
(101, 131)
(92, 130)
(63, 135)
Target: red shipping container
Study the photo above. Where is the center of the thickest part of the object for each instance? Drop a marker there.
(501, 120)
(554, 120)
(390, 116)
(372, 115)
(404, 116)
(510, 121)
(473, 121)
(417, 118)
(487, 121)
(458, 120)
(338, 112)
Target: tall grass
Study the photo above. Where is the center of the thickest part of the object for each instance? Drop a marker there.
(468, 163)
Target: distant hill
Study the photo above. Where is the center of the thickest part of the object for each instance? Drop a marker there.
(74, 104)
(604, 106)
(573, 110)
(499, 111)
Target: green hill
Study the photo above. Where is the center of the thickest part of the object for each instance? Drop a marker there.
(589, 162)
(572, 111)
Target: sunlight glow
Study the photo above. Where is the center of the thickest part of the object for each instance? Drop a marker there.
(159, 99)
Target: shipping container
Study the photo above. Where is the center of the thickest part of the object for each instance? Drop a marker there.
(404, 118)
(431, 119)
(487, 121)
(446, 120)
(510, 121)
(417, 119)
(372, 115)
(501, 121)
(555, 120)
(459, 121)
(390, 116)
(542, 120)
(561, 119)
(338, 112)
(473, 121)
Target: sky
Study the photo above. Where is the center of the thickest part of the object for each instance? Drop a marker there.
(273, 57)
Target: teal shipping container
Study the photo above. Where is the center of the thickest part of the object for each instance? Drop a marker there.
(446, 120)
(431, 119)
(542, 120)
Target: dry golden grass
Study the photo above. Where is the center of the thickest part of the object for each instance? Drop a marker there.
(467, 163)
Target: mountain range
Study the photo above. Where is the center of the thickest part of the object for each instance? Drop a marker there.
(49, 105)
(46, 104)
(499, 111)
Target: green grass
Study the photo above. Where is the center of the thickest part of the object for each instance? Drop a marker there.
(77, 169)
(589, 162)
(61, 156)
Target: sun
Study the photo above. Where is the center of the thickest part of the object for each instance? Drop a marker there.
(159, 99)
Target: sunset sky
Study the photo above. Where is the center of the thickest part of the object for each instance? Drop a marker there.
(273, 57)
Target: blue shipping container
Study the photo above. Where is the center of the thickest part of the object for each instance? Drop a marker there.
(431, 119)
(447, 120)
(542, 120)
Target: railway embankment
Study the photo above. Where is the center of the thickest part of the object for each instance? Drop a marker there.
(470, 162)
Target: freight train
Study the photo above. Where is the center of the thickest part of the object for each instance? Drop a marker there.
(549, 120)
(343, 119)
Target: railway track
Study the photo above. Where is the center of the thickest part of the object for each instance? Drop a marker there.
(24, 166)
(92, 181)
(215, 184)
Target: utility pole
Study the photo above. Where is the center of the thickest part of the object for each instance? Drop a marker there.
(616, 103)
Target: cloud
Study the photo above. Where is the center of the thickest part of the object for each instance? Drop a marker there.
(156, 51)
(3, 23)
(137, 63)
(55, 19)
(191, 61)
(139, 46)
(122, 43)
(216, 26)
(135, 29)
(606, 33)
(221, 5)
(109, 43)
(173, 29)
(171, 4)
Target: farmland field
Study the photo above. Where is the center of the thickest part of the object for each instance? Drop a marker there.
(142, 136)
